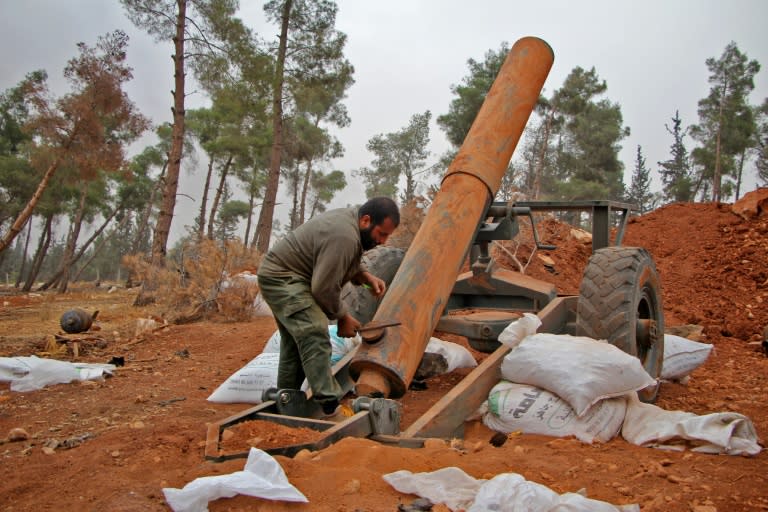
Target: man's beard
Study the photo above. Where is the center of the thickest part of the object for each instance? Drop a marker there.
(366, 240)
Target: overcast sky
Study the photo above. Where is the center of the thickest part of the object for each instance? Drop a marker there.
(408, 53)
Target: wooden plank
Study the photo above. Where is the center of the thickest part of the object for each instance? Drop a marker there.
(447, 416)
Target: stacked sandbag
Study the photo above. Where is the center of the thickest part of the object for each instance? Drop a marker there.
(523, 408)
(247, 385)
(682, 356)
(561, 385)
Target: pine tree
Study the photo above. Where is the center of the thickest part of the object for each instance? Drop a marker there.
(726, 122)
(676, 172)
(640, 189)
(401, 153)
(761, 143)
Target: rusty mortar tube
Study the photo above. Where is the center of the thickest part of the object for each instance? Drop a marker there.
(418, 293)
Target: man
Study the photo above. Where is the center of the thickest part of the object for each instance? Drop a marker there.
(301, 279)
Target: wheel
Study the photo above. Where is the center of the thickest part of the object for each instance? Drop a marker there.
(383, 262)
(620, 301)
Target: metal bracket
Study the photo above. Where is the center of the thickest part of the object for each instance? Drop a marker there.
(383, 413)
(292, 402)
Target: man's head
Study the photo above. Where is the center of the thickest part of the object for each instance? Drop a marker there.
(377, 219)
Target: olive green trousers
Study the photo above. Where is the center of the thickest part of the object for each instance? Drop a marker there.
(305, 346)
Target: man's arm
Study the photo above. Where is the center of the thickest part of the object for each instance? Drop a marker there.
(332, 261)
(376, 286)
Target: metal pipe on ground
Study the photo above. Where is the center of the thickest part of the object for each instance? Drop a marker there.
(418, 293)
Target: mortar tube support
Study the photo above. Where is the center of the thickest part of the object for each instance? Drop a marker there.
(420, 290)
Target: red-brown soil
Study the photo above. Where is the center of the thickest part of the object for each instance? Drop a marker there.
(144, 428)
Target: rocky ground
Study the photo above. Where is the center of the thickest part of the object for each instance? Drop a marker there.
(115, 444)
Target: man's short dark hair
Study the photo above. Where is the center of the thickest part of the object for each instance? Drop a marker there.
(380, 208)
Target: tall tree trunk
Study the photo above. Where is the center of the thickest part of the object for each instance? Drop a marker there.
(18, 224)
(56, 277)
(741, 171)
(718, 169)
(42, 249)
(143, 223)
(24, 254)
(264, 229)
(536, 192)
(217, 198)
(295, 208)
(163, 226)
(99, 246)
(204, 201)
(69, 253)
(410, 187)
(304, 192)
(251, 198)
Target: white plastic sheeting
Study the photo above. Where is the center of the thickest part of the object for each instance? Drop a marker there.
(507, 492)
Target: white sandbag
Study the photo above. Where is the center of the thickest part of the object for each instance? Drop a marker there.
(339, 346)
(262, 477)
(682, 356)
(249, 383)
(531, 410)
(273, 344)
(260, 306)
(579, 370)
(456, 355)
(506, 492)
(518, 330)
(728, 432)
(30, 373)
(510, 492)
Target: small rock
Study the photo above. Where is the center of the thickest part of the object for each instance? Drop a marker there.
(115, 454)
(546, 260)
(303, 455)
(137, 424)
(626, 491)
(417, 505)
(498, 439)
(227, 435)
(581, 235)
(17, 434)
(48, 450)
(434, 443)
(519, 449)
(477, 446)
(351, 487)
(703, 508)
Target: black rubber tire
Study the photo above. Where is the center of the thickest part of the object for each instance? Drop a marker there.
(383, 262)
(620, 301)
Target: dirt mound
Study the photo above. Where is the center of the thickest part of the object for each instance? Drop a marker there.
(713, 265)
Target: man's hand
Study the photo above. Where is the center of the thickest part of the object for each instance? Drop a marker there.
(376, 286)
(348, 326)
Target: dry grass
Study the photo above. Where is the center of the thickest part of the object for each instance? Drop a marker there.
(207, 282)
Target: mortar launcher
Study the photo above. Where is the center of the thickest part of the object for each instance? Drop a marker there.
(429, 291)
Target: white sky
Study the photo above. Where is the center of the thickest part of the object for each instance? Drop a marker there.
(407, 54)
